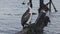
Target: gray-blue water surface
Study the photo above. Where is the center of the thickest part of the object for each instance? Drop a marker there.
(12, 10)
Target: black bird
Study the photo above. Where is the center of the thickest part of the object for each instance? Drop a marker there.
(26, 18)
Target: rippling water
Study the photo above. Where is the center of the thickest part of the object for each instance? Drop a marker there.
(12, 10)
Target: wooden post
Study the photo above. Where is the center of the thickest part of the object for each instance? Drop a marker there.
(30, 1)
(40, 5)
(50, 7)
(41, 2)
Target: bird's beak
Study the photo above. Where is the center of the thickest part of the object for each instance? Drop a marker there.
(34, 13)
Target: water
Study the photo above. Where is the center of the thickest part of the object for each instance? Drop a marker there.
(12, 10)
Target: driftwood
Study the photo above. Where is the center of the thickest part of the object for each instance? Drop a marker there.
(23, 31)
(36, 28)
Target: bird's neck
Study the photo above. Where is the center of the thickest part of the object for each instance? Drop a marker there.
(30, 9)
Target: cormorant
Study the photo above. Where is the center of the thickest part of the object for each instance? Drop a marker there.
(26, 18)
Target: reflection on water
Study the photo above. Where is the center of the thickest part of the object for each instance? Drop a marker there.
(12, 10)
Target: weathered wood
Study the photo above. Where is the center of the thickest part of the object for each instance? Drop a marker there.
(36, 28)
(40, 5)
(50, 7)
(30, 1)
(23, 31)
